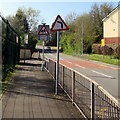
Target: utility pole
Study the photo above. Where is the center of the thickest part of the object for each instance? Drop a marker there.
(82, 39)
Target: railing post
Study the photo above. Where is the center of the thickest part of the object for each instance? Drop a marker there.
(47, 65)
(63, 77)
(92, 102)
(54, 71)
(73, 86)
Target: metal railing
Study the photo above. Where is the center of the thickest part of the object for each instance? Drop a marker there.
(88, 96)
(10, 46)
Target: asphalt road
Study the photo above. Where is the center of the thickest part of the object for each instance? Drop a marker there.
(104, 74)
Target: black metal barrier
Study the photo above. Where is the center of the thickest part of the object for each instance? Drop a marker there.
(88, 96)
(10, 47)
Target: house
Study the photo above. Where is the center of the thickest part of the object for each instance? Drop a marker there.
(111, 27)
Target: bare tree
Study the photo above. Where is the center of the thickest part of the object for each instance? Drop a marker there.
(71, 17)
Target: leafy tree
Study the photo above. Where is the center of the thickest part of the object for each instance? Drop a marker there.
(26, 20)
(18, 21)
(32, 18)
(32, 42)
(53, 39)
(23, 17)
(75, 41)
(88, 29)
(93, 29)
(97, 13)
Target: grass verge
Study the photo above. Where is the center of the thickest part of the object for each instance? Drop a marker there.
(4, 84)
(102, 58)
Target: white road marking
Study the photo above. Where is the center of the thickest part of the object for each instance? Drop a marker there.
(61, 59)
(102, 74)
(69, 62)
(80, 66)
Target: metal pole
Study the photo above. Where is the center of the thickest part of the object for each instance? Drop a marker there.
(57, 63)
(63, 77)
(82, 39)
(43, 52)
(73, 86)
(38, 54)
(42, 68)
(43, 49)
(24, 52)
(43, 44)
(92, 102)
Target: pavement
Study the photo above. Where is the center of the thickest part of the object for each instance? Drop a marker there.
(32, 95)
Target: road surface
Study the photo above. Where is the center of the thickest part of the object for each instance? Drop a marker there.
(104, 74)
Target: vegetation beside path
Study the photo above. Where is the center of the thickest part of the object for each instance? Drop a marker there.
(102, 58)
(110, 59)
(4, 84)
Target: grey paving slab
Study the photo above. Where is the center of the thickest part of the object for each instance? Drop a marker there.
(31, 95)
(10, 105)
(26, 107)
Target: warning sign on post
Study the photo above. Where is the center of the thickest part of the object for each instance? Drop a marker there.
(43, 37)
(59, 24)
(43, 31)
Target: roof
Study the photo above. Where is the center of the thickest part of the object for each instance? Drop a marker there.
(111, 12)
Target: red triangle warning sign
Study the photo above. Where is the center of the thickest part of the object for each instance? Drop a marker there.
(43, 31)
(59, 24)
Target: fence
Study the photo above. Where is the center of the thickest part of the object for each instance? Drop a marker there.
(88, 96)
(10, 46)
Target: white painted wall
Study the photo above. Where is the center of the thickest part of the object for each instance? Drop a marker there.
(111, 24)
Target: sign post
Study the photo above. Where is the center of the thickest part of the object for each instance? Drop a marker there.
(57, 63)
(58, 25)
(43, 35)
(43, 49)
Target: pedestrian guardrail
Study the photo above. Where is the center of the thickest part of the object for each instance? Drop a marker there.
(89, 97)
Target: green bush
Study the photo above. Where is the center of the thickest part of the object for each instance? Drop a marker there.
(70, 45)
(115, 56)
(117, 51)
